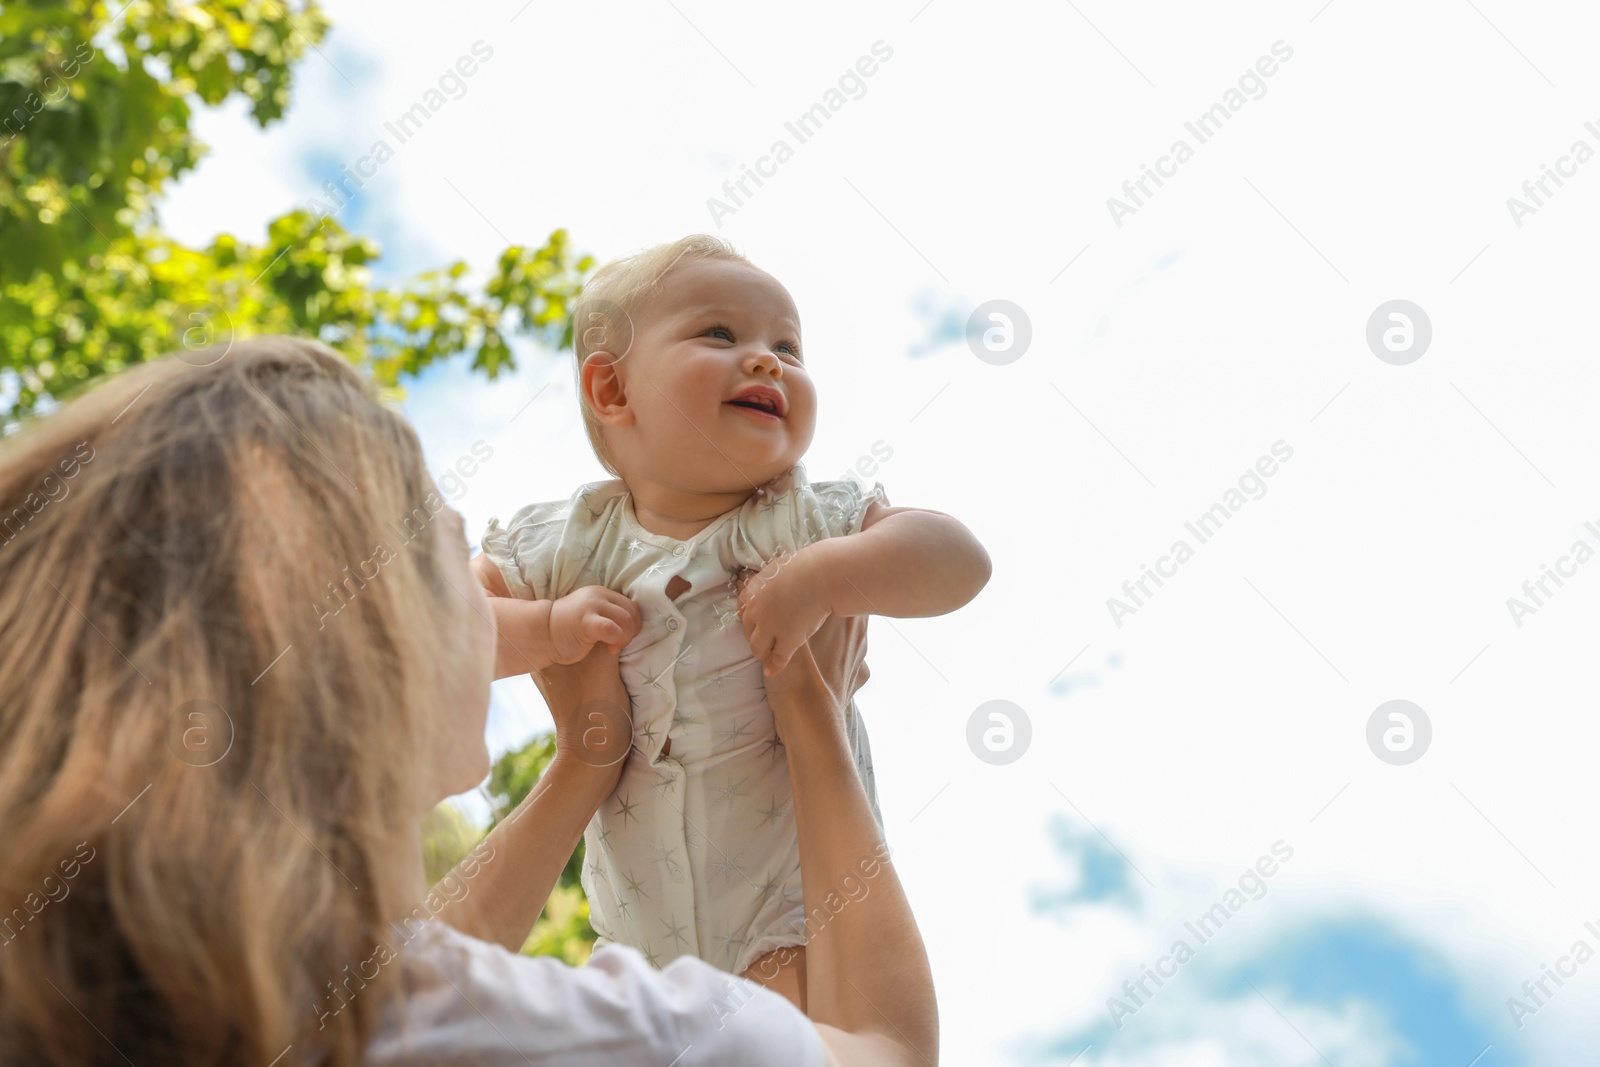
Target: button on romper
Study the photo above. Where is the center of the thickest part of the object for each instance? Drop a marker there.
(694, 853)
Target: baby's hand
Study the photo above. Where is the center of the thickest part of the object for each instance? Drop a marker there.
(781, 606)
(588, 616)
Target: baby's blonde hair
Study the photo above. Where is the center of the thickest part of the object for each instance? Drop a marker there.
(602, 316)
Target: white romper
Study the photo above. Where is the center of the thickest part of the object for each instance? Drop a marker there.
(695, 853)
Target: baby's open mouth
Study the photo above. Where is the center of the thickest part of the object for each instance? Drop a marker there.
(762, 399)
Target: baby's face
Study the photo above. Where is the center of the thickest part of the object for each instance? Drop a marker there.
(716, 332)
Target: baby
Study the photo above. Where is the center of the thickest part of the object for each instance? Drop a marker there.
(696, 395)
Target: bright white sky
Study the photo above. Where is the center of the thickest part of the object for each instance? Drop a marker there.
(1226, 314)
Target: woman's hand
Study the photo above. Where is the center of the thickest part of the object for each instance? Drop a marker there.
(812, 693)
(592, 713)
(781, 606)
(868, 986)
(525, 857)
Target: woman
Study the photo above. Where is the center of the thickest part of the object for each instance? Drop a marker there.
(241, 657)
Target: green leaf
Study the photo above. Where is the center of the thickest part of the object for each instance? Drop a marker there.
(90, 284)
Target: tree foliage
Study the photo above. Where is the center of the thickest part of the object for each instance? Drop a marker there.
(563, 928)
(95, 107)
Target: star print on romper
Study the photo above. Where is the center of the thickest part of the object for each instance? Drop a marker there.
(727, 864)
(664, 856)
(771, 814)
(733, 733)
(731, 943)
(675, 931)
(731, 789)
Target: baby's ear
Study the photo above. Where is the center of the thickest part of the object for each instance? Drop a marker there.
(604, 389)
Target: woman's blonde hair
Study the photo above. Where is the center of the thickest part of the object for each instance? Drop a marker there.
(216, 580)
(602, 316)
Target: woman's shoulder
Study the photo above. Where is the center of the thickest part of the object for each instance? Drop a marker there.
(466, 1000)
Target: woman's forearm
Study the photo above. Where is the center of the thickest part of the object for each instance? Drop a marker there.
(867, 972)
(506, 892)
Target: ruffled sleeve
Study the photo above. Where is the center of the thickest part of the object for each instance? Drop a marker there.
(524, 548)
(791, 512)
(837, 508)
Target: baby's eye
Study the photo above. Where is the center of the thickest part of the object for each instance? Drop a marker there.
(792, 348)
(720, 329)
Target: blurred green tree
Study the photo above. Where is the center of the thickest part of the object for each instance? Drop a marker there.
(95, 108)
(563, 927)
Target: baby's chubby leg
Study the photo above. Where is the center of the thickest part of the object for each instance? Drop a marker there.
(783, 970)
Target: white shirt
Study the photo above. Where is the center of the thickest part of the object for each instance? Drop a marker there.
(471, 1002)
(695, 852)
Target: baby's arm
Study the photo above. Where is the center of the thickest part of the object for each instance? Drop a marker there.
(533, 634)
(905, 563)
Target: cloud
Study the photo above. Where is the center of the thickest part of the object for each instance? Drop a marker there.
(351, 69)
(1312, 990)
(1199, 1030)
(1421, 994)
(943, 317)
(1289, 984)
(1101, 874)
(1066, 684)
